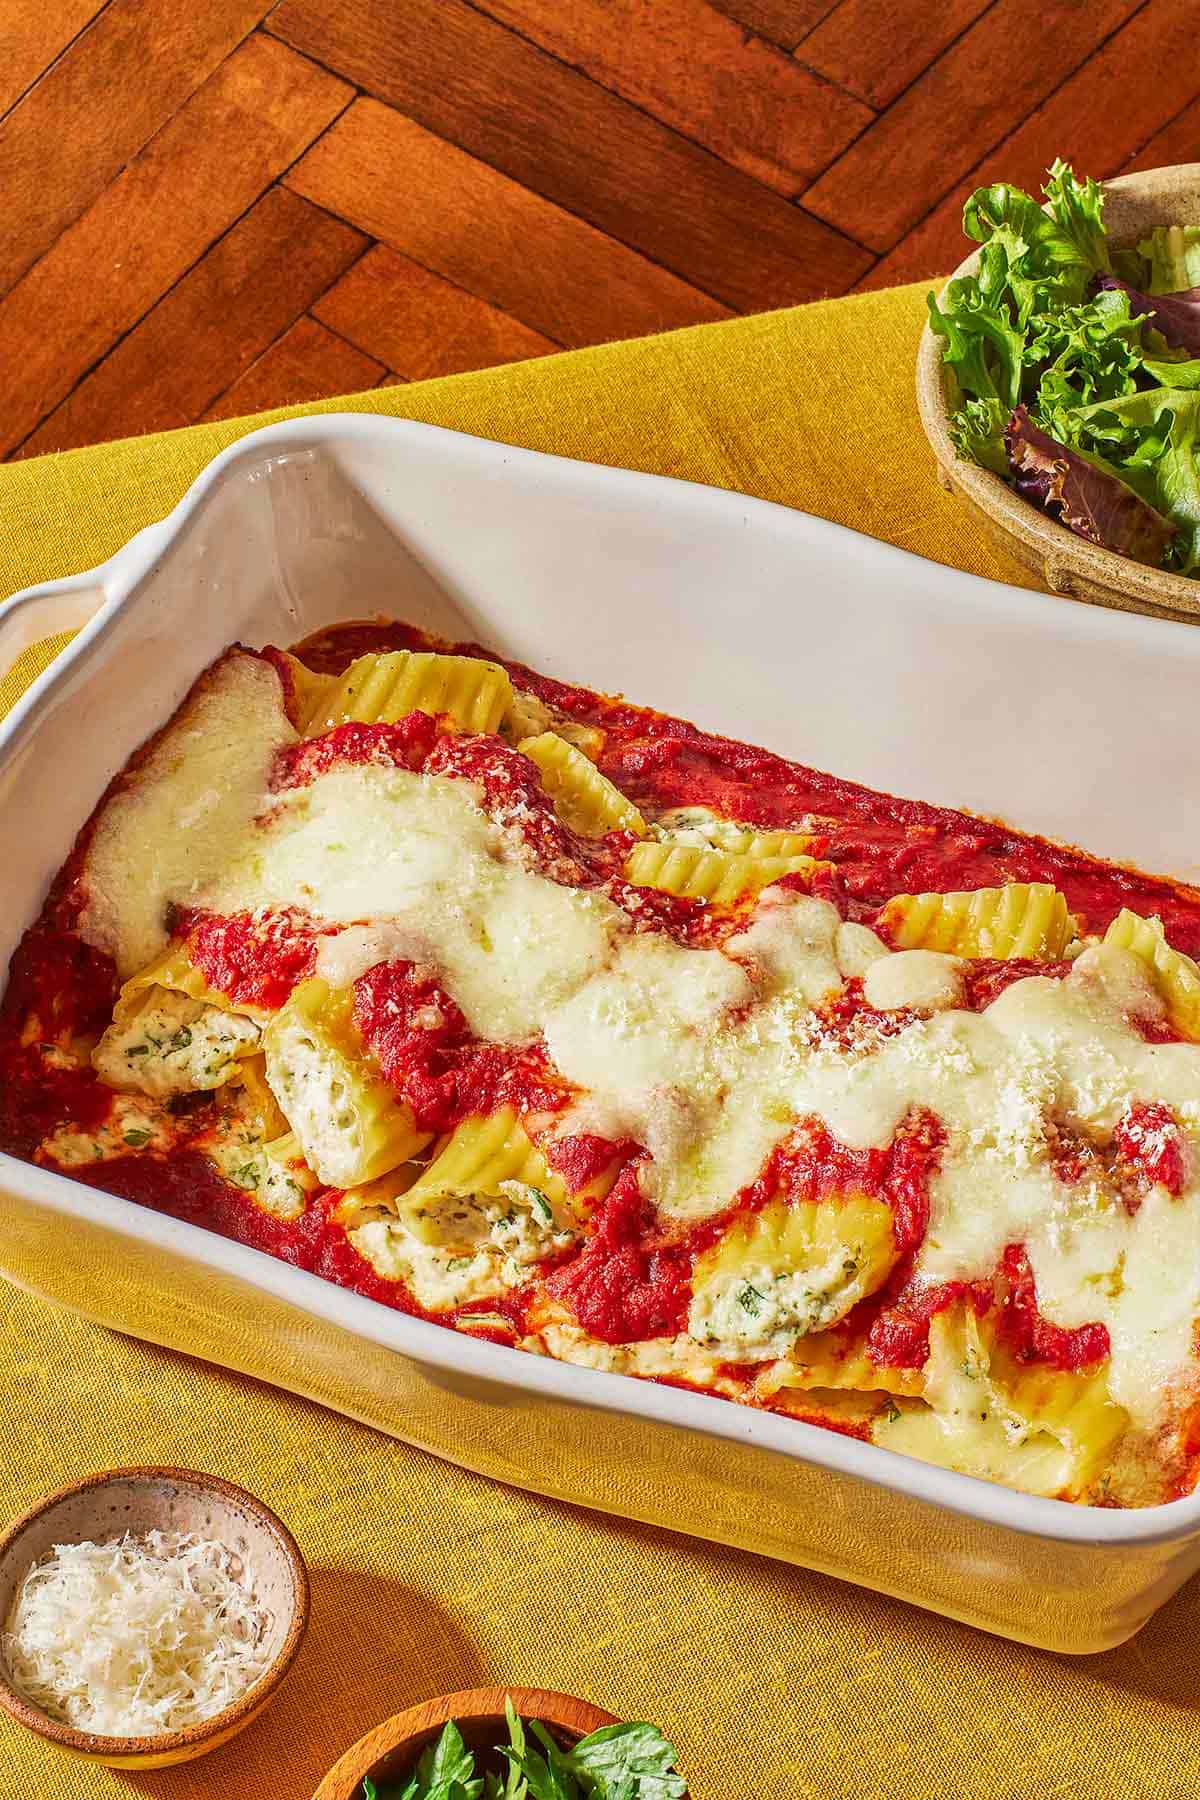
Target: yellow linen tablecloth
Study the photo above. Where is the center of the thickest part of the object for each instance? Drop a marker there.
(776, 1684)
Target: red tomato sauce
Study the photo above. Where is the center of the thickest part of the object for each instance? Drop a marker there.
(402, 745)
(631, 1279)
(811, 1165)
(427, 1053)
(882, 845)
(1150, 1143)
(628, 1283)
(252, 958)
(1032, 1338)
(898, 1332)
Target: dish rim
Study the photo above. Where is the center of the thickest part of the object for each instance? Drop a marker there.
(437, 1346)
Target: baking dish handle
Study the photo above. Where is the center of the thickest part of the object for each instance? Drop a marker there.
(70, 603)
(43, 612)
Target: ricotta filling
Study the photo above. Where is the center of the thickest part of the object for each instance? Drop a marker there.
(172, 1044)
(478, 1245)
(708, 1057)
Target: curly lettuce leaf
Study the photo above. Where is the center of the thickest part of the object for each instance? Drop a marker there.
(1024, 314)
(1063, 243)
(1090, 500)
(1172, 254)
(977, 433)
(982, 344)
(1085, 353)
(1077, 208)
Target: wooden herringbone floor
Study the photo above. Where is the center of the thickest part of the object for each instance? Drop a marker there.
(213, 206)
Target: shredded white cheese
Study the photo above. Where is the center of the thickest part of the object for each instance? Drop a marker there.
(136, 1636)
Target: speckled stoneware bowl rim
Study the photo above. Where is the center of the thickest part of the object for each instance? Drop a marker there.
(90, 1744)
(411, 1729)
(1067, 564)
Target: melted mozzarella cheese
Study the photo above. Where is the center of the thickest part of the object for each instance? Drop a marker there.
(171, 824)
(924, 979)
(364, 844)
(708, 1057)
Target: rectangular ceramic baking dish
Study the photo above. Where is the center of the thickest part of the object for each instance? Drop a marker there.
(756, 621)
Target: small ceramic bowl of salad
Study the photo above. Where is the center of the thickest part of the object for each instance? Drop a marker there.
(507, 1744)
(1058, 382)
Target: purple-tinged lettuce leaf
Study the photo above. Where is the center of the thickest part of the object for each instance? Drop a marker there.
(1159, 429)
(1089, 500)
(1175, 317)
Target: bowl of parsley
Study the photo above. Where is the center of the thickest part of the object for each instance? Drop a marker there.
(507, 1744)
(1058, 382)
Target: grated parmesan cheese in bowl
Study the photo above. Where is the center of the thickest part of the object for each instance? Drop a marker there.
(147, 1615)
(136, 1636)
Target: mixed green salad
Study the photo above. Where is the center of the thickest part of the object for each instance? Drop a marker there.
(1078, 367)
(618, 1762)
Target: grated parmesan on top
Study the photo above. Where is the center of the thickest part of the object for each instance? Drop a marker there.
(136, 1636)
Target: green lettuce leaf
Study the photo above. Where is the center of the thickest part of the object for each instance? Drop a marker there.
(977, 433)
(1064, 244)
(1077, 208)
(1185, 373)
(1159, 431)
(1173, 254)
(1085, 353)
(983, 346)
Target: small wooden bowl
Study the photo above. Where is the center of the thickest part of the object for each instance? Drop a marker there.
(145, 1499)
(390, 1750)
(1060, 561)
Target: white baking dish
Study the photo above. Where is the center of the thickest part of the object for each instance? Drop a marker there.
(756, 621)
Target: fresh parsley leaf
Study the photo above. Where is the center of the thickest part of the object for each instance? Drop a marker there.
(750, 1300)
(449, 1761)
(444, 1771)
(631, 1761)
(619, 1762)
(541, 1206)
(548, 1776)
